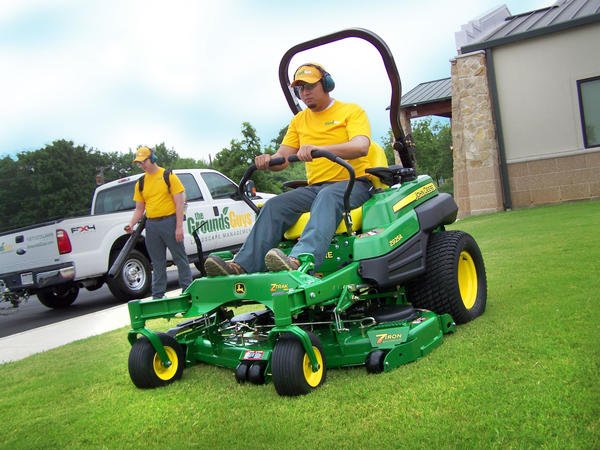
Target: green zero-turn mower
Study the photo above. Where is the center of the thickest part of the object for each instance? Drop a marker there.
(385, 295)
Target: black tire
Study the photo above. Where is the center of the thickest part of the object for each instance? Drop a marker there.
(146, 368)
(291, 369)
(241, 373)
(374, 362)
(256, 373)
(58, 297)
(454, 281)
(134, 279)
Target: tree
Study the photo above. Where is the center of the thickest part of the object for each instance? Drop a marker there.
(433, 143)
(56, 180)
(234, 161)
(388, 148)
(433, 149)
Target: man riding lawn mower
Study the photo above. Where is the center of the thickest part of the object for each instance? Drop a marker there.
(393, 281)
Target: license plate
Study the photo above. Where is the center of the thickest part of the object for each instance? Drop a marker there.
(26, 279)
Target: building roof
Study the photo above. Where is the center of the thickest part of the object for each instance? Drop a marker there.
(562, 15)
(428, 92)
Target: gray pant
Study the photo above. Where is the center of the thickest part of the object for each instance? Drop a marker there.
(160, 235)
(326, 206)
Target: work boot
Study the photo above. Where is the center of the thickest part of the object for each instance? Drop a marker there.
(216, 266)
(278, 261)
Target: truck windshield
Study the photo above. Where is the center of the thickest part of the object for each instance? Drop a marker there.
(117, 198)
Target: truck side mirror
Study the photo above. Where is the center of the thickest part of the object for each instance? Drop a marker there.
(250, 189)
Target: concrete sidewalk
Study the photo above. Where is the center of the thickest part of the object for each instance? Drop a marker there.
(22, 345)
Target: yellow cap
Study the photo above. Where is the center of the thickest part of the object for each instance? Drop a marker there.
(142, 154)
(308, 74)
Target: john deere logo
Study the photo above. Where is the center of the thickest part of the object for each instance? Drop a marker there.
(240, 288)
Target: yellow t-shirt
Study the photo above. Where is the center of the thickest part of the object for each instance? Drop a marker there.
(337, 124)
(156, 195)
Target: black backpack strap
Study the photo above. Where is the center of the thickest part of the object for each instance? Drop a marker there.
(166, 175)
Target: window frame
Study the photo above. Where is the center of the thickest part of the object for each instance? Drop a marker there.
(186, 178)
(586, 144)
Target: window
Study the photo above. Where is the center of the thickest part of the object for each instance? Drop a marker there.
(219, 186)
(589, 107)
(117, 198)
(192, 191)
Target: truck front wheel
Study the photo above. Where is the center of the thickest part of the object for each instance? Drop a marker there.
(58, 297)
(134, 278)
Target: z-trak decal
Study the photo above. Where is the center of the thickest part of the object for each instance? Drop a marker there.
(279, 287)
(419, 193)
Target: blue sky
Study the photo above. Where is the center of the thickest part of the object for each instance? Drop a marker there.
(115, 74)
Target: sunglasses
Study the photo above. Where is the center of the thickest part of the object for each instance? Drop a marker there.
(309, 86)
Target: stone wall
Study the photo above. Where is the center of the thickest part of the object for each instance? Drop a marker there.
(555, 180)
(477, 186)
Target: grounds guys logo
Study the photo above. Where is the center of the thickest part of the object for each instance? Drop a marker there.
(225, 221)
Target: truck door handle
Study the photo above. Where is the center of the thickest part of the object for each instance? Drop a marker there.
(21, 251)
(216, 211)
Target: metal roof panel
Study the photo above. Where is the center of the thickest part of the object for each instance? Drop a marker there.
(563, 14)
(431, 91)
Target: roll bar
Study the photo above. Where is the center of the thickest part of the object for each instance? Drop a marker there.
(401, 144)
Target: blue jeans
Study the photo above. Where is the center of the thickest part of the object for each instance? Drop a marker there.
(326, 205)
(160, 235)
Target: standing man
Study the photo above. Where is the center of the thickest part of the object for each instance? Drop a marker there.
(163, 203)
(326, 124)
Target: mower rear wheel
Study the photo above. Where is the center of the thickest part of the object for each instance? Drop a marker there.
(147, 370)
(291, 368)
(454, 281)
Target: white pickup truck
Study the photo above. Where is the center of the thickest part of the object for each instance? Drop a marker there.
(54, 260)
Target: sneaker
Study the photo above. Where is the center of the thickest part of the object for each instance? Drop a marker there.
(216, 266)
(278, 261)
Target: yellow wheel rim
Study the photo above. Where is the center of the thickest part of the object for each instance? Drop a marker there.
(467, 279)
(162, 372)
(313, 378)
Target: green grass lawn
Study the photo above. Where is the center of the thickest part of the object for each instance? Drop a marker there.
(526, 374)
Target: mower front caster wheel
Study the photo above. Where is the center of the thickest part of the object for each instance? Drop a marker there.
(291, 368)
(241, 373)
(147, 370)
(374, 361)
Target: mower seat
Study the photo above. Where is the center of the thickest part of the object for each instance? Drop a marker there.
(295, 230)
(377, 159)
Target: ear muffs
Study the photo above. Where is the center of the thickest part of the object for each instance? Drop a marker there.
(153, 157)
(326, 80)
